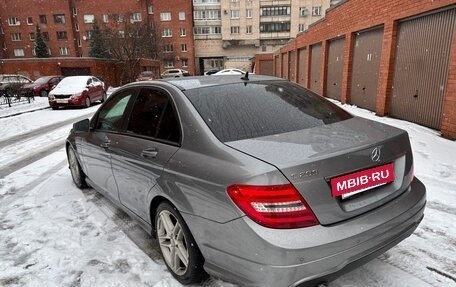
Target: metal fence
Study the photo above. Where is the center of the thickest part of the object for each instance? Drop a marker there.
(9, 100)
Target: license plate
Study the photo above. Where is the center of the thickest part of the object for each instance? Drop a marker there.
(353, 183)
(61, 101)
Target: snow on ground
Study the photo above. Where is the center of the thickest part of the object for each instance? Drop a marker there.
(53, 234)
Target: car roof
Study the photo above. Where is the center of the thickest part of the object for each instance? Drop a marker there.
(194, 82)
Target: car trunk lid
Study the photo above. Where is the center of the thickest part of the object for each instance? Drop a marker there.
(345, 154)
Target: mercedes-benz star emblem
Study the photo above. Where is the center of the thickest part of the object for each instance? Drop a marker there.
(375, 155)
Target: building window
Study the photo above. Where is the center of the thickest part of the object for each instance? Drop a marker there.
(88, 34)
(121, 34)
(74, 11)
(135, 17)
(207, 30)
(182, 16)
(29, 20)
(150, 9)
(248, 29)
(59, 18)
(302, 27)
(234, 14)
(207, 15)
(64, 51)
(165, 16)
(89, 18)
(16, 36)
(248, 13)
(43, 19)
(275, 11)
(316, 11)
(167, 32)
(184, 47)
(32, 36)
(13, 21)
(19, 52)
(105, 18)
(168, 48)
(33, 52)
(234, 29)
(234, 1)
(303, 12)
(45, 36)
(183, 32)
(205, 1)
(62, 35)
(275, 27)
(169, 63)
(79, 43)
(184, 63)
(118, 18)
(49, 51)
(76, 26)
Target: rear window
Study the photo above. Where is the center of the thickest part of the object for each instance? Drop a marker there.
(243, 111)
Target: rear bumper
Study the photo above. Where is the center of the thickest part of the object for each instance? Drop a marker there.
(241, 251)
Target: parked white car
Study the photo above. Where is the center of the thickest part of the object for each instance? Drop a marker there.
(233, 71)
(175, 73)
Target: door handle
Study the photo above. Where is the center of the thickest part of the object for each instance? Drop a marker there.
(149, 153)
(106, 142)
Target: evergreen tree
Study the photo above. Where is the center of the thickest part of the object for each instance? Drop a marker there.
(97, 46)
(41, 48)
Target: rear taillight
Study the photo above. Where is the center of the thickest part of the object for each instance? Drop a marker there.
(274, 206)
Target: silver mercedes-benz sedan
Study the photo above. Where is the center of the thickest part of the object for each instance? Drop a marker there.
(251, 179)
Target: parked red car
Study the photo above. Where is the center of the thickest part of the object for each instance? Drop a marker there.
(77, 91)
(42, 86)
(146, 76)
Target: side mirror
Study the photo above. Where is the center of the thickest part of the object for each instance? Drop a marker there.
(81, 126)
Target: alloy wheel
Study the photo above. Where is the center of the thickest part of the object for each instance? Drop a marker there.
(172, 241)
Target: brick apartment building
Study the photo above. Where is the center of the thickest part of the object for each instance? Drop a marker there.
(67, 26)
(194, 35)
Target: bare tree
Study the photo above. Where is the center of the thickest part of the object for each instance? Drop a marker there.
(128, 42)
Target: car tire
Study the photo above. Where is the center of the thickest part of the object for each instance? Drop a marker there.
(177, 245)
(43, 93)
(76, 172)
(104, 97)
(87, 102)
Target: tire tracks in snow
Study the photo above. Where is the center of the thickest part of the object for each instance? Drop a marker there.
(9, 197)
(408, 265)
(28, 157)
(37, 132)
(23, 162)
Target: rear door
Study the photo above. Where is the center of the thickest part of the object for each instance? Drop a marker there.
(139, 154)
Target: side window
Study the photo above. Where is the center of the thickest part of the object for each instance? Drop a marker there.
(110, 116)
(153, 115)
